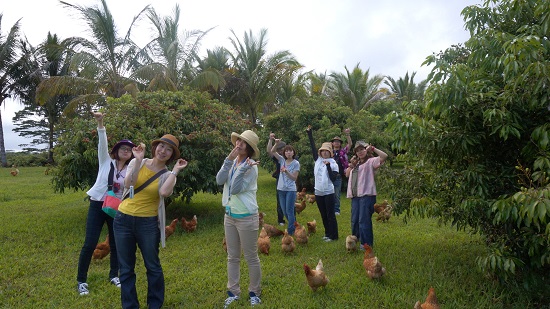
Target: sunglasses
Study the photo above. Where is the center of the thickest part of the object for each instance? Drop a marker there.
(125, 148)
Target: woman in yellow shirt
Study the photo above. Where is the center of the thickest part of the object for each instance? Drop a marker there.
(141, 218)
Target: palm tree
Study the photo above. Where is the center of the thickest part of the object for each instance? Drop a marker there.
(101, 66)
(404, 89)
(317, 84)
(357, 89)
(10, 74)
(257, 77)
(213, 70)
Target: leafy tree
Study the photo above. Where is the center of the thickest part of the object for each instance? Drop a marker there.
(405, 89)
(480, 142)
(357, 89)
(202, 125)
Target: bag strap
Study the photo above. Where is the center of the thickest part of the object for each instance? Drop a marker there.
(149, 181)
(110, 179)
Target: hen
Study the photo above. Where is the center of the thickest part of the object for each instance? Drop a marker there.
(379, 207)
(264, 243)
(272, 231)
(385, 214)
(300, 196)
(430, 303)
(189, 226)
(14, 170)
(316, 278)
(351, 243)
(372, 265)
(287, 243)
(300, 206)
(310, 198)
(102, 249)
(300, 233)
(170, 229)
(312, 227)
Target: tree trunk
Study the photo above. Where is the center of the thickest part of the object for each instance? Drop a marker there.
(3, 159)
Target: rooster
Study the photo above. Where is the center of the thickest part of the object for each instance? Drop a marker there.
(189, 226)
(316, 278)
(14, 170)
(312, 227)
(287, 243)
(310, 198)
(351, 243)
(385, 214)
(300, 196)
(102, 249)
(264, 243)
(372, 265)
(170, 229)
(300, 206)
(272, 231)
(379, 207)
(300, 233)
(430, 303)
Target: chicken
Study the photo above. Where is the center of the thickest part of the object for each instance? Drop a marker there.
(300, 206)
(310, 198)
(14, 170)
(351, 243)
(379, 207)
(300, 196)
(372, 265)
(102, 249)
(170, 229)
(272, 231)
(316, 278)
(430, 303)
(300, 233)
(312, 227)
(261, 219)
(287, 243)
(264, 242)
(224, 244)
(385, 214)
(189, 226)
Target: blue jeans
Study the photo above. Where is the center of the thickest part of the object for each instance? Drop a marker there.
(131, 232)
(288, 198)
(337, 192)
(362, 209)
(94, 224)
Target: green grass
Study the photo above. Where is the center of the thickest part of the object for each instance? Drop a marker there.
(42, 233)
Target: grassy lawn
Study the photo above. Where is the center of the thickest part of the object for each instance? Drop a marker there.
(42, 233)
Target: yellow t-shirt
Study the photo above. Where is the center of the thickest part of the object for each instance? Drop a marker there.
(146, 202)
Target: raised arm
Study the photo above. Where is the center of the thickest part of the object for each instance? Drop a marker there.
(270, 143)
(312, 144)
(348, 139)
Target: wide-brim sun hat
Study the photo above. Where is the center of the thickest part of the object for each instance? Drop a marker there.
(359, 144)
(337, 138)
(120, 143)
(250, 138)
(326, 146)
(171, 140)
(281, 145)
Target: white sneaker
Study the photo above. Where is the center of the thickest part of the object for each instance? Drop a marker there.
(230, 299)
(337, 213)
(325, 238)
(282, 223)
(82, 288)
(115, 281)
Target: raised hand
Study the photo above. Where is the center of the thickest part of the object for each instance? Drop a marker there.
(180, 165)
(252, 163)
(139, 151)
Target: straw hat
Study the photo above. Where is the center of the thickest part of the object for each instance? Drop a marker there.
(337, 138)
(250, 138)
(171, 140)
(326, 146)
(360, 144)
(120, 143)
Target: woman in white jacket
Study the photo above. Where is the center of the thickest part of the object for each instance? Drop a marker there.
(118, 160)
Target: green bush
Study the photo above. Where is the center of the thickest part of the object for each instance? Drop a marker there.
(27, 158)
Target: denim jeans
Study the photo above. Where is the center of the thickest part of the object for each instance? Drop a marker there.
(337, 192)
(143, 232)
(94, 224)
(362, 209)
(288, 198)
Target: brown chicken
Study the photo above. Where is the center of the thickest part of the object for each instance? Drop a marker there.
(14, 171)
(316, 278)
(287, 243)
(385, 214)
(261, 219)
(300, 233)
(272, 231)
(264, 242)
(189, 226)
(300, 196)
(372, 265)
(170, 229)
(300, 206)
(312, 227)
(310, 198)
(351, 243)
(102, 249)
(379, 207)
(430, 303)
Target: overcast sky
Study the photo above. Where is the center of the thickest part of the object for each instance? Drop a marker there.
(390, 37)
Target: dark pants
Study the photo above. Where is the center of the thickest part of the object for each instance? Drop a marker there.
(337, 192)
(325, 203)
(280, 213)
(131, 232)
(94, 224)
(362, 209)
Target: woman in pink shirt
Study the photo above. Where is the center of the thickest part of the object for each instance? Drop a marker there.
(362, 189)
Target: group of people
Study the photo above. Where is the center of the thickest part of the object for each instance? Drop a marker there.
(140, 219)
